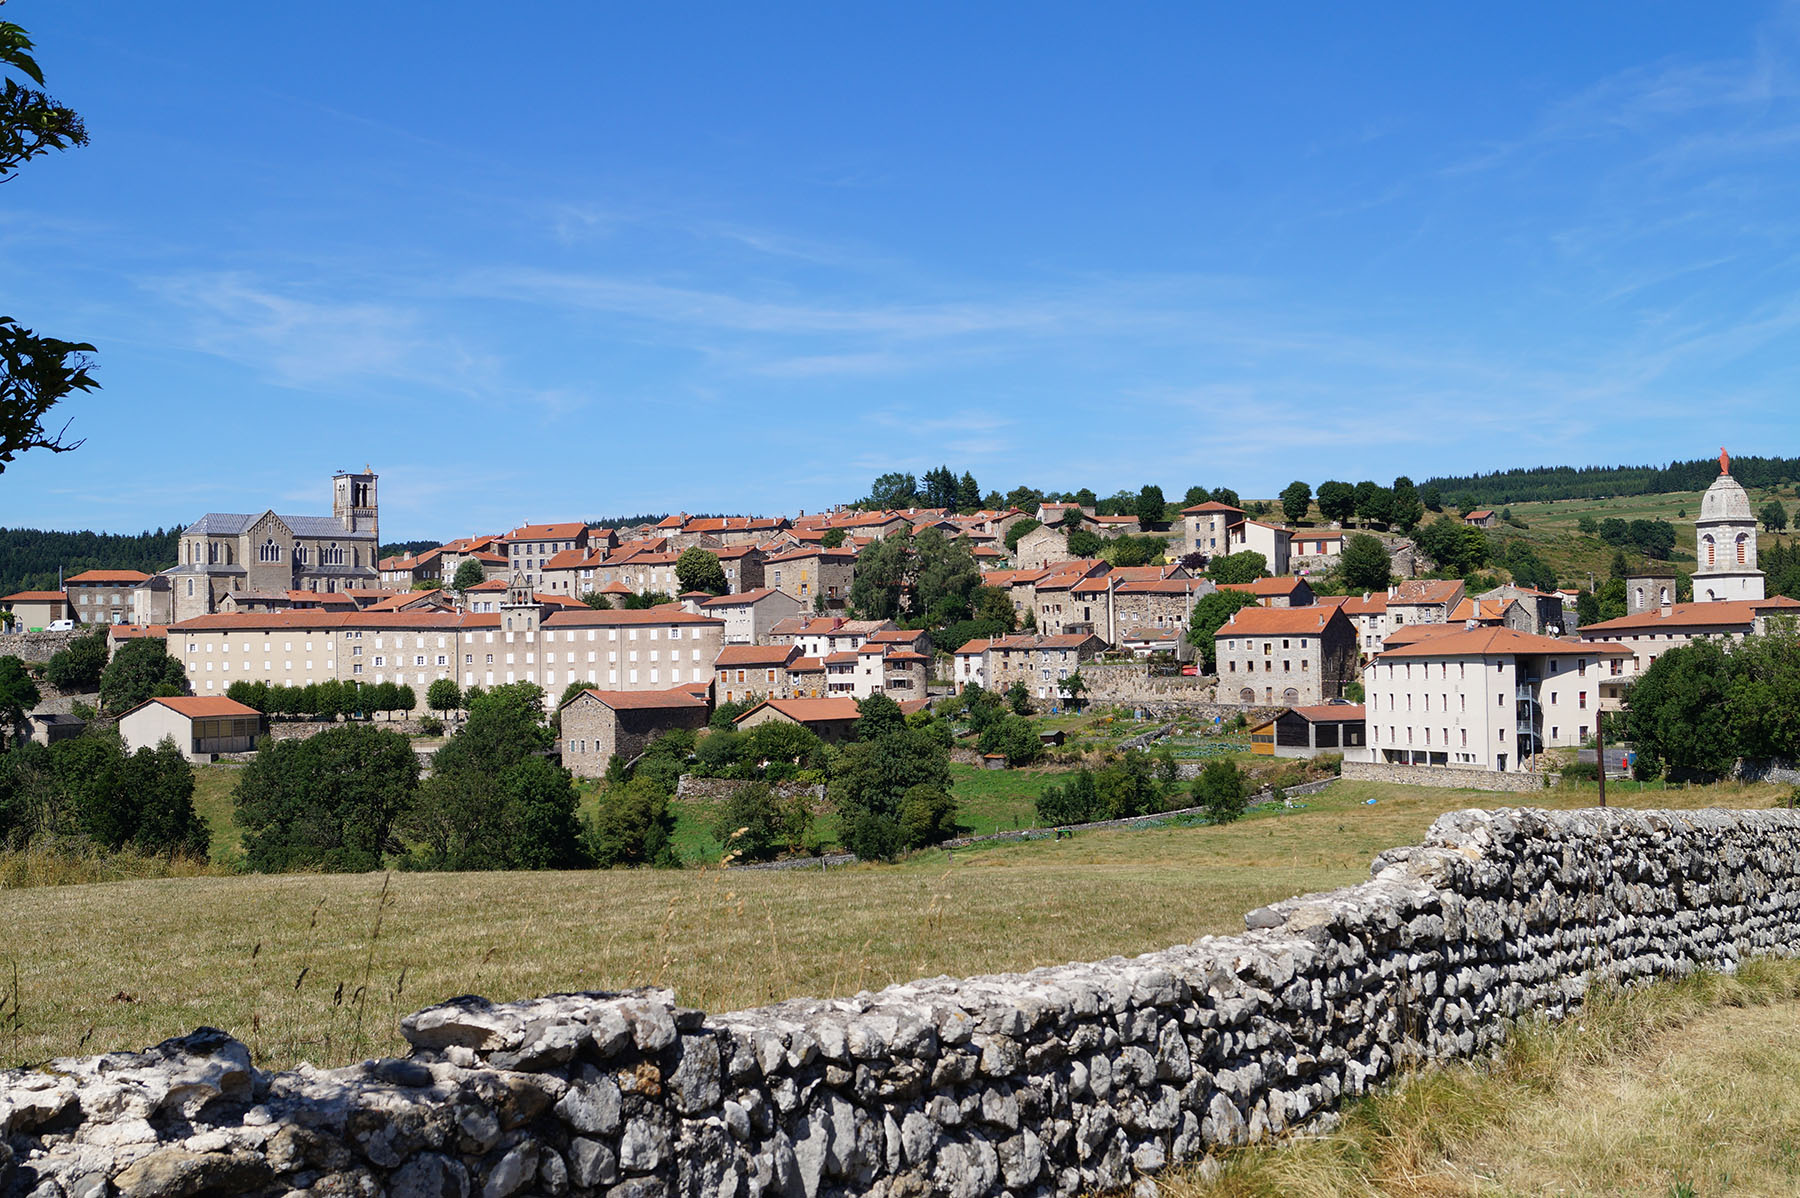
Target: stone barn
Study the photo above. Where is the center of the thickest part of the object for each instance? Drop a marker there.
(597, 725)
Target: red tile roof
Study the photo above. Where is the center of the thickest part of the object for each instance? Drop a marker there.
(1426, 590)
(1210, 505)
(1330, 712)
(1498, 642)
(742, 597)
(587, 617)
(546, 532)
(108, 576)
(199, 707)
(1697, 615)
(679, 699)
(36, 597)
(755, 655)
(1279, 621)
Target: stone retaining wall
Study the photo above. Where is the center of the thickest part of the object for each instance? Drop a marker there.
(1057, 1081)
(1131, 683)
(691, 786)
(37, 647)
(1438, 775)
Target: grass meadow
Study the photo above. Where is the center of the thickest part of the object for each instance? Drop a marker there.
(320, 967)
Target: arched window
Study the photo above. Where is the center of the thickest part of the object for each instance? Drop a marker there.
(332, 556)
(1662, 596)
(1247, 695)
(1741, 539)
(509, 623)
(230, 556)
(212, 553)
(1290, 696)
(1640, 597)
(190, 588)
(270, 551)
(1711, 549)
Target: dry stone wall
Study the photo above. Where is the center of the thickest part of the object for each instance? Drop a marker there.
(1056, 1081)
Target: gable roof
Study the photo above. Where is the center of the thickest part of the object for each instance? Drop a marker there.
(1279, 621)
(1211, 505)
(107, 576)
(679, 699)
(1267, 586)
(1498, 642)
(587, 617)
(545, 532)
(755, 655)
(1728, 613)
(36, 597)
(200, 707)
(1426, 590)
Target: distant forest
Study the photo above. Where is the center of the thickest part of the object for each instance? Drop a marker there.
(1541, 483)
(29, 557)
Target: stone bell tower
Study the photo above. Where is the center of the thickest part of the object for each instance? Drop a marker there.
(354, 504)
(1725, 542)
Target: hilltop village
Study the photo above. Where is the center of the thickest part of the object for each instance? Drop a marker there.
(641, 629)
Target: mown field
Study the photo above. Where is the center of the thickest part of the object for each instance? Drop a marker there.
(320, 967)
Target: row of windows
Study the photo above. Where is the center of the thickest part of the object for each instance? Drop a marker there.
(1444, 738)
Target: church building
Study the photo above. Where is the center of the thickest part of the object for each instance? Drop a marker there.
(232, 561)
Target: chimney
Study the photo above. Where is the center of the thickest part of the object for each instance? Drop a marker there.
(1667, 607)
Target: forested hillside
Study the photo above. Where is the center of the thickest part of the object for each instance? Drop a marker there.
(1543, 483)
(29, 557)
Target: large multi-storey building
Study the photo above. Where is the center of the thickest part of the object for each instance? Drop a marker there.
(1285, 656)
(522, 641)
(1486, 698)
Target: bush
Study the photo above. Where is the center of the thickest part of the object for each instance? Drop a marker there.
(756, 824)
(633, 826)
(431, 726)
(78, 667)
(1581, 771)
(1221, 790)
(141, 669)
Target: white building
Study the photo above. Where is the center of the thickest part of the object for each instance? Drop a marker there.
(1485, 698)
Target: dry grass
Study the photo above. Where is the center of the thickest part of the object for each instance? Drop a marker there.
(1687, 1087)
(278, 960)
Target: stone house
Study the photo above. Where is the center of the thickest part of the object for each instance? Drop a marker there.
(1482, 519)
(812, 573)
(806, 678)
(1161, 604)
(821, 636)
(742, 672)
(833, 719)
(1545, 615)
(1205, 528)
(530, 547)
(1039, 661)
(1068, 594)
(399, 573)
(1291, 657)
(750, 616)
(1312, 549)
(1275, 592)
(598, 725)
(743, 566)
(1423, 601)
(1368, 615)
(1041, 547)
(104, 596)
(1476, 612)
(1019, 585)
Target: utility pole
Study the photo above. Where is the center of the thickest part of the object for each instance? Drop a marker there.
(1600, 749)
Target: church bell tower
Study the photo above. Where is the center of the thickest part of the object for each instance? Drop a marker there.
(354, 504)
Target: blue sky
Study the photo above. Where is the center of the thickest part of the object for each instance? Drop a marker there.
(545, 261)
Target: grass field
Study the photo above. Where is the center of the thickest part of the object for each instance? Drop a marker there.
(319, 967)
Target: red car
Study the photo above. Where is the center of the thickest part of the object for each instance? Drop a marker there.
(1190, 671)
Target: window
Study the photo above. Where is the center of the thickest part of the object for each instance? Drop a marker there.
(1581, 700)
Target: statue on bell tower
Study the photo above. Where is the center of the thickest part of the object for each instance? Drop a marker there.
(1724, 461)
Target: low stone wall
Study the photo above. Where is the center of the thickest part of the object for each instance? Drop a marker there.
(1058, 1081)
(1784, 772)
(1438, 775)
(1130, 682)
(37, 647)
(690, 786)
